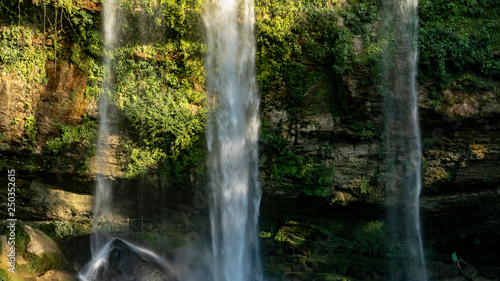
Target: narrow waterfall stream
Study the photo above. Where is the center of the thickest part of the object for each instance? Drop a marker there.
(403, 144)
(103, 193)
(232, 136)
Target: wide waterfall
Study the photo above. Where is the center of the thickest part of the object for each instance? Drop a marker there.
(402, 135)
(232, 136)
(103, 194)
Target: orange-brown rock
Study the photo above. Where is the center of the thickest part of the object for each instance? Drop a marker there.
(62, 100)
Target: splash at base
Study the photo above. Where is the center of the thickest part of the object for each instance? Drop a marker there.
(119, 260)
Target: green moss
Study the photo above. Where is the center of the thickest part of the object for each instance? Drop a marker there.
(53, 261)
(22, 240)
(44, 263)
(4, 275)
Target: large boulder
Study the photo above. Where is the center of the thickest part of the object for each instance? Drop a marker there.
(120, 261)
(40, 244)
(441, 270)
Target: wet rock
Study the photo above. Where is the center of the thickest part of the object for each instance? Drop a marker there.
(127, 263)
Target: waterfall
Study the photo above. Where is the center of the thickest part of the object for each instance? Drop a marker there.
(232, 136)
(103, 194)
(402, 140)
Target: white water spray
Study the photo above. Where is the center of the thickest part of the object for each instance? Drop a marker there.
(232, 136)
(121, 260)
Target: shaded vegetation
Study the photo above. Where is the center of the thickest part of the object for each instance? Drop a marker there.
(301, 41)
(459, 38)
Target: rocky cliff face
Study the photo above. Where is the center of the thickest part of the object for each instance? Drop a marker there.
(32, 114)
(339, 125)
(49, 186)
(460, 136)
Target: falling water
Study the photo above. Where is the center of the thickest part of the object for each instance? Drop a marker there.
(403, 140)
(103, 194)
(232, 136)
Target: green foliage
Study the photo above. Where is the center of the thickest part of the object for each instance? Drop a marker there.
(140, 160)
(361, 131)
(157, 86)
(22, 238)
(19, 55)
(370, 237)
(471, 83)
(4, 275)
(46, 262)
(165, 114)
(160, 108)
(57, 229)
(312, 178)
(30, 130)
(88, 64)
(3, 162)
(303, 44)
(82, 136)
(53, 262)
(359, 15)
(291, 35)
(190, 163)
(177, 19)
(431, 141)
(458, 37)
(85, 133)
(332, 236)
(159, 75)
(363, 186)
